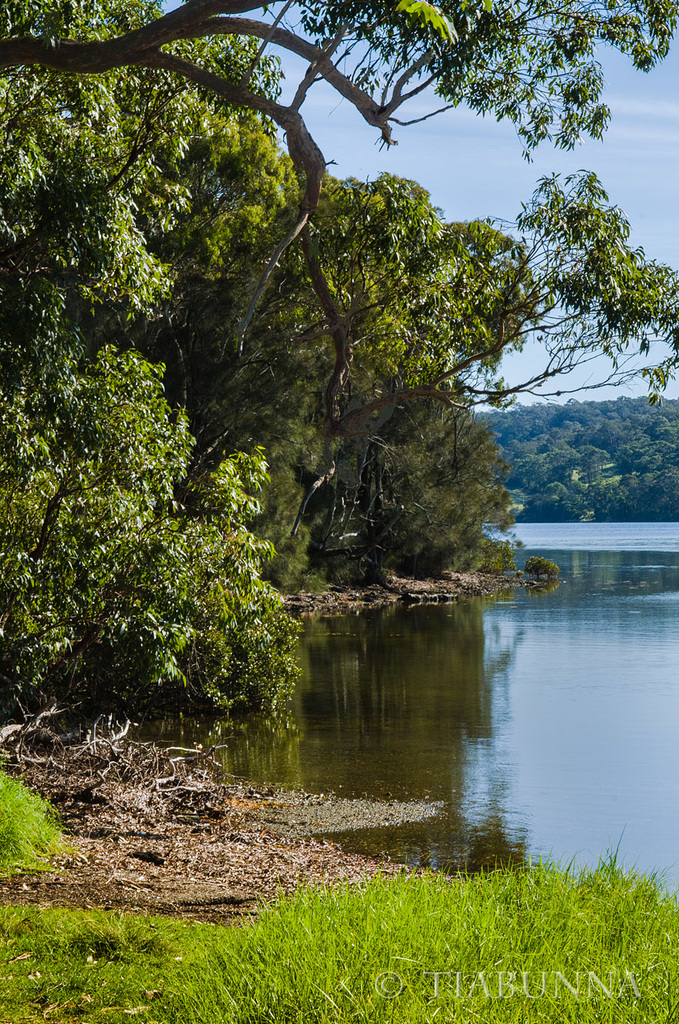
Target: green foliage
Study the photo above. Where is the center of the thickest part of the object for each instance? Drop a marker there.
(420, 298)
(271, 396)
(53, 18)
(449, 483)
(124, 582)
(29, 829)
(241, 189)
(614, 296)
(429, 14)
(130, 577)
(72, 194)
(428, 310)
(535, 64)
(436, 306)
(414, 497)
(537, 567)
(498, 556)
(614, 461)
(421, 294)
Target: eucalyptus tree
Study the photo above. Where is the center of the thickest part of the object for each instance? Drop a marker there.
(127, 580)
(534, 63)
(417, 309)
(100, 94)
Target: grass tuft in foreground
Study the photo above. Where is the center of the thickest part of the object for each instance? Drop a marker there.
(28, 827)
(545, 945)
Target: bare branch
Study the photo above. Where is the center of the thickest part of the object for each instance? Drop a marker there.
(312, 75)
(397, 97)
(322, 479)
(425, 117)
(339, 330)
(418, 89)
(266, 274)
(354, 422)
(245, 80)
(365, 105)
(304, 153)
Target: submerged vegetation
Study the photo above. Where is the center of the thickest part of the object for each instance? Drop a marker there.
(556, 944)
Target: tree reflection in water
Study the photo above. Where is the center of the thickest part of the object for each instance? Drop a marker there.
(405, 703)
(402, 703)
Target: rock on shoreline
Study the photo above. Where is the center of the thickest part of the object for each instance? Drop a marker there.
(450, 586)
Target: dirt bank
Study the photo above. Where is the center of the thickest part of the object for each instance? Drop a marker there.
(160, 832)
(448, 587)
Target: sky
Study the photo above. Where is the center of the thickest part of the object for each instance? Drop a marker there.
(474, 167)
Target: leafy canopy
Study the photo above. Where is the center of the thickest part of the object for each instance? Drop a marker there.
(432, 307)
(100, 117)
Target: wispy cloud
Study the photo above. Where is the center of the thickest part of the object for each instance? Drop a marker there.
(643, 109)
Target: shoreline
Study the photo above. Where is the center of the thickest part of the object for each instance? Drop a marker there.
(149, 834)
(446, 588)
(152, 834)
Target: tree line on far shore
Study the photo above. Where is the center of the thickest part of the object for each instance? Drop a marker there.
(613, 461)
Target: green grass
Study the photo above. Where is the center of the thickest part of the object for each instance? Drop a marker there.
(29, 829)
(360, 954)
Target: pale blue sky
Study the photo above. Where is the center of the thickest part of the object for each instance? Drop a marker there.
(473, 167)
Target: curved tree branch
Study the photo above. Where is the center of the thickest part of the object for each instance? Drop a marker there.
(97, 55)
(305, 154)
(321, 59)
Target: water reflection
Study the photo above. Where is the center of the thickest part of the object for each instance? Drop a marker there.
(547, 722)
(403, 703)
(394, 698)
(400, 703)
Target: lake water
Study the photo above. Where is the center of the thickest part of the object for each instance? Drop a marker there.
(547, 723)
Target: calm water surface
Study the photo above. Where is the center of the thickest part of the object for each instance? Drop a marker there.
(547, 723)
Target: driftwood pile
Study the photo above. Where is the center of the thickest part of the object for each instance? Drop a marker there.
(100, 764)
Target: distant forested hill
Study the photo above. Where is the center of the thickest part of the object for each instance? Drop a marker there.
(606, 461)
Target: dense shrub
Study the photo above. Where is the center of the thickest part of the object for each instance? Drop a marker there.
(126, 581)
(537, 567)
(498, 556)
